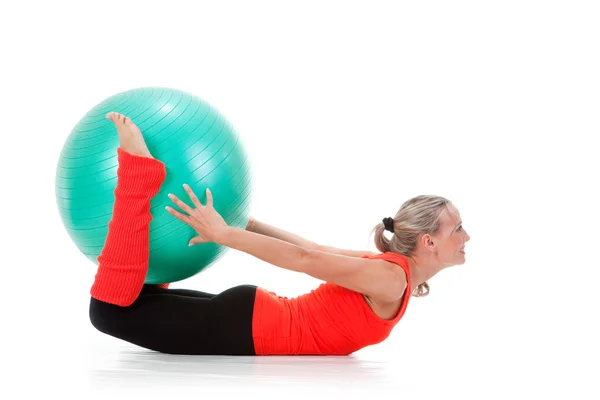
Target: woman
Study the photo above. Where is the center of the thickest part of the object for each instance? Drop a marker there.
(364, 296)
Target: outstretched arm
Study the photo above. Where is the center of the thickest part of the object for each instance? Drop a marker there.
(274, 251)
(376, 278)
(262, 228)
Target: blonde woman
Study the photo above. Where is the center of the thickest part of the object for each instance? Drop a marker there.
(363, 297)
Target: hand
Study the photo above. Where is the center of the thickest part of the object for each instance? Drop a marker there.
(205, 220)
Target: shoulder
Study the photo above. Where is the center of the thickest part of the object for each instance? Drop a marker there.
(397, 264)
(389, 256)
(366, 274)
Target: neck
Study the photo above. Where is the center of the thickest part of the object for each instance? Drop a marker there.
(421, 271)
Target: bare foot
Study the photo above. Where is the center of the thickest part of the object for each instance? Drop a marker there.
(130, 136)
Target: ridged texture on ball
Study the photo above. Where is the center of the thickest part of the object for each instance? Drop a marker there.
(198, 146)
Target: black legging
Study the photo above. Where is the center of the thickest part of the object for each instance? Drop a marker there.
(181, 321)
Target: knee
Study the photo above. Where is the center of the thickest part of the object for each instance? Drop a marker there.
(104, 316)
(126, 323)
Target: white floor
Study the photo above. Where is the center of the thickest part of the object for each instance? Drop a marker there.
(298, 376)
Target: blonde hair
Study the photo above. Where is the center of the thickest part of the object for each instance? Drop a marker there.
(417, 216)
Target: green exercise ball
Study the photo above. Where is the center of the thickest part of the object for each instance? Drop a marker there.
(197, 145)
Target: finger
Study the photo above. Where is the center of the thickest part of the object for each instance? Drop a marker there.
(178, 215)
(192, 195)
(196, 240)
(209, 198)
(180, 203)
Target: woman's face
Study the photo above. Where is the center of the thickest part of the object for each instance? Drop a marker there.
(452, 239)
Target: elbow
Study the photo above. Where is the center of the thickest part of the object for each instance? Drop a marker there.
(305, 259)
(316, 247)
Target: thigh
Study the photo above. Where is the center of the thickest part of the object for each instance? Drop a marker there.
(176, 324)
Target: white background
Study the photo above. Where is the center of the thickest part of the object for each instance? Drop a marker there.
(347, 109)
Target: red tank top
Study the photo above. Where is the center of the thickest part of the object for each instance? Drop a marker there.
(330, 320)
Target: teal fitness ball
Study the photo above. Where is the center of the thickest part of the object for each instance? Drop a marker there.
(197, 145)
